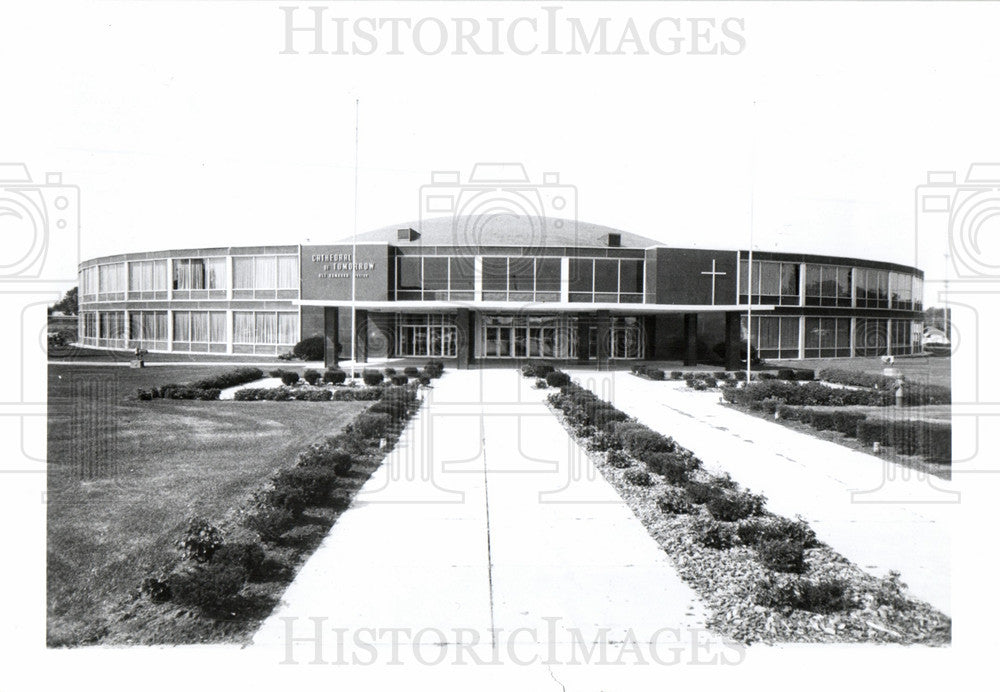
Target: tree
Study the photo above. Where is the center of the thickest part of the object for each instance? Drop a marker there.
(69, 304)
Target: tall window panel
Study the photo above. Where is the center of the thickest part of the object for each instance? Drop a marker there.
(265, 276)
(264, 331)
(872, 288)
(828, 285)
(200, 277)
(827, 337)
(147, 279)
(88, 282)
(871, 337)
(773, 337)
(606, 280)
(111, 281)
(148, 329)
(772, 283)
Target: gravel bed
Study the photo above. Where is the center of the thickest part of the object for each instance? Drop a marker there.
(725, 580)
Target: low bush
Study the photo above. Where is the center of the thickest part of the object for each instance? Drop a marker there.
(358, 394)
(640, 441)
(675, 501)
(638, 477)
(857, 379)
(399, 380)
(199, 540)
(389, 372)
(249, 556)
(797, 593)
(782, 555)
(372, 377)
(286, 496)
(190, 393)
(736, 506)
(618, 459)
(725, 481)
(700, 493)
(424, 380)
(310, 348)
(557, 378)
(231, 378)
(335, 376)
(315, 482)
(536, 369)
(289, 377)
(312, 376)
(930, 440)
(372, 425)
(540, 383)
(713, 534)
(411, 371)
(804, 394)
(656, 374)
(434, 368)
(759, 529)
(283, 394)
(156, 590)
(209, 586)
(673, 466)
(841, 421)
(675, 374)
(269, 523)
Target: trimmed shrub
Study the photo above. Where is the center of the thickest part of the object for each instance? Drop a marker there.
(424, 380)
(857, 379)
(700, 493)
(804, 394)
(312, 376)
(674, 467)
(656, 374)
(199, 540)
(638, 477)
(618, 459)
(189, 393)
(335, 376)
(675, 501)
(713, 534)
(557, 378)
(315, 482)
(434, 368)
(310, 348)
(796, 593)
(289, 377)
(782, 555)
(540, 383)
(209, 586)
(733, 507)
(640, 441)
(411, 371)
(759, 529)
(372, 425)
(389, 372)
(399, 380)
(536, 369)
(269, 523)
(287, 496)
(358, 394)
(249, 556)
(372, 377)
(231, 378)
(930, 440)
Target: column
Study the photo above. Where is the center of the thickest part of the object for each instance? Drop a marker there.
(230, 331)
(564, 279)
(465, 328)
(603, 338)
(583, 338)
(649, 330)
(170, 328)
(361, 336)
(734, 356)
(331, 334)
(690, 338)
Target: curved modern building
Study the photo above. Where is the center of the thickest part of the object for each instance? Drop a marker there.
(482, 288)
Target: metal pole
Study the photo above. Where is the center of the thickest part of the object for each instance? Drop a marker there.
(753, 175)
(354, 252)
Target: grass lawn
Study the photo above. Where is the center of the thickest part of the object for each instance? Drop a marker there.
(925, 369)
(124, 475)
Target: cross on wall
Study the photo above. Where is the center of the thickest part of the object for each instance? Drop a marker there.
(713, 273)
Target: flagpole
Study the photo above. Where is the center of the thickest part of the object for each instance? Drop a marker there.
(354, 253)
(753, 175)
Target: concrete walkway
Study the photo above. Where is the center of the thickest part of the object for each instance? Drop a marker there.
(879, 515)
(486, 530)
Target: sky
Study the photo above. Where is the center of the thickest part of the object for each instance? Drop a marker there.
(184, 125)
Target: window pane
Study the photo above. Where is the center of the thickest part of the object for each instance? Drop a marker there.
(182, 326)
(606, 275)
(631, 276)
(581, 275)
(288, 272)
(770, 279)
(768, 333)
(814, 279)
(288, 328)
(494, 273)
(744, 268)
(548, 273)
(789, 279)
(521, 271)
(243, 327)
(265, 274)
(812, 332)
(789, 333)
(436, 273)
(266, 328)
(243, 272)
(462, 273)
(217, 328)
(408, 277)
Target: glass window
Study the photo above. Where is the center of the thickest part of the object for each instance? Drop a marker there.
(182, 326)
(288, 327)
(243, 272)
(409, 275)
(844, 286)
(521, 272)
(770, 279)
(435, 273)
(581, 275)
(606, 276)
(789, 279)
(494, 273)
(814, 280)
(287, 272)
(631, 276)
(265, 328)
(243, 325)
(462, 273)
(548, 273)
(265, 273)
(217, 327)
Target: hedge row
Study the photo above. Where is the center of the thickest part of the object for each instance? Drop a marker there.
(214, 571)
(929, 440)
(178, 392)
(301, 394)
(205, 389)
(857, 379)
(754, 394)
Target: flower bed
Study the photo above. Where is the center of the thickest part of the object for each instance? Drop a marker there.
(762, 577)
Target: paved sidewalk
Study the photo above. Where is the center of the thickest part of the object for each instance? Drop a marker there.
(488, 519)
(877, 514)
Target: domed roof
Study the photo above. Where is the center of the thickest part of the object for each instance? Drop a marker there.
(502, 230)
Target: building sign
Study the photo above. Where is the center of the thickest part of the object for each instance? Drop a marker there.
(327, 270)
(338, 265)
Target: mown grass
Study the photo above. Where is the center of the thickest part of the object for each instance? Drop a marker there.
(124, 475)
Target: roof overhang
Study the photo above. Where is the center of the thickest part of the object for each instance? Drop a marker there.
(507, 306)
